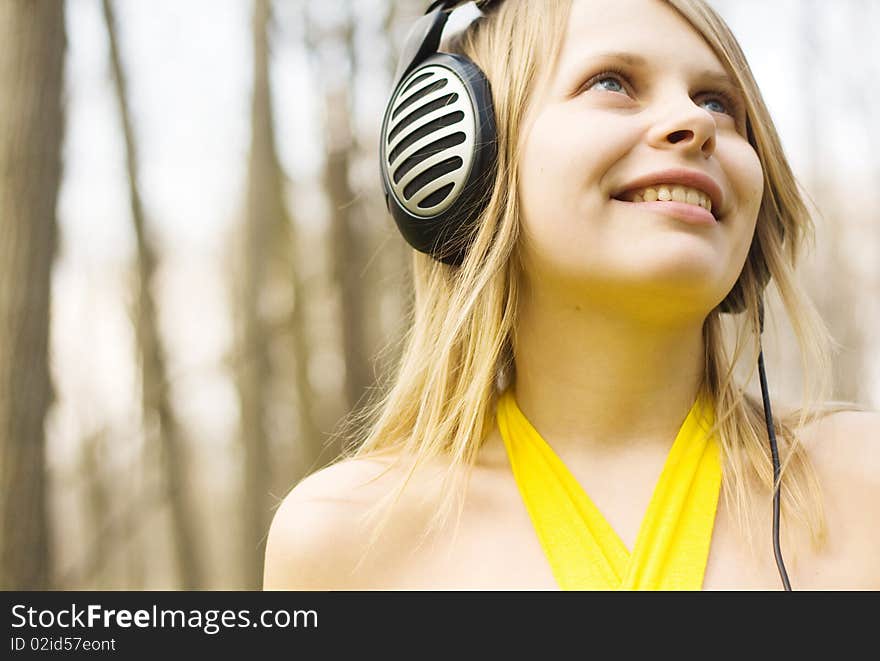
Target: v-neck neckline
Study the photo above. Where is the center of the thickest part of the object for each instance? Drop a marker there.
(570, 525)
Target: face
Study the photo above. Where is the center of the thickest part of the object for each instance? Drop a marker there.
(637, 105)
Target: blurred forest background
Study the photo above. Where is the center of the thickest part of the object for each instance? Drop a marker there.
(199, 279)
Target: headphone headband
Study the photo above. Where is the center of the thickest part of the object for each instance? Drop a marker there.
(452, 4)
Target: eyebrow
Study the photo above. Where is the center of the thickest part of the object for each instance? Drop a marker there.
(629, 58)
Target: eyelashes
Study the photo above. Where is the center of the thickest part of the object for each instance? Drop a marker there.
(732, 105)
(610, 72)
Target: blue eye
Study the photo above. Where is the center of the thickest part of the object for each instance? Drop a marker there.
(609, 80)
(721, 107)
(617, 86)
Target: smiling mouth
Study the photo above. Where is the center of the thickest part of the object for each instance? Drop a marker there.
(670, 193)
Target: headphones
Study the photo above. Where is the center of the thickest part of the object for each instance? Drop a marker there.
(438, 142)
(438, 161)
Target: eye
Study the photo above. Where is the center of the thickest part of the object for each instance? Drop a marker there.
(720, 106)
(723, 103)
(609, 81)
(615, 85)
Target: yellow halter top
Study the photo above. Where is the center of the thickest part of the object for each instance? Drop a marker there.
(584, 552)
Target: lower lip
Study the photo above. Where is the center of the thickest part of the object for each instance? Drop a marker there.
(689, 213)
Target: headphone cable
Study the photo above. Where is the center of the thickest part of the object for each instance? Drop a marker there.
(774, 453)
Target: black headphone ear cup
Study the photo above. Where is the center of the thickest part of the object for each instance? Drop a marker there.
(438, 154)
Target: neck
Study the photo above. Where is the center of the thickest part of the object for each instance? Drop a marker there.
(605, 379)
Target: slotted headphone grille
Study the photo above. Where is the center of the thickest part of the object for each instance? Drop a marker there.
(429, 141)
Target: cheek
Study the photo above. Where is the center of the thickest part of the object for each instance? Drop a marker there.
(541, 183)
(747, 179)
(749, 182)
(563, 160)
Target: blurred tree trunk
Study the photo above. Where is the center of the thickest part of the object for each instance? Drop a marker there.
(156, 402)
(288, 254)
(346, 254)
(98, 496)
(268, 330)
(31, 129)
(309, 439)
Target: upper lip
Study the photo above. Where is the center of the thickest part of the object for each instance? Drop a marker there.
(685, 177)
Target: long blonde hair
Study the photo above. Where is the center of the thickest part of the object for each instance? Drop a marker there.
(457, 354)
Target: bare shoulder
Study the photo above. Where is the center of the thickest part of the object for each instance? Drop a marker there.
(319, 535)
(844, 448)
(848, 442)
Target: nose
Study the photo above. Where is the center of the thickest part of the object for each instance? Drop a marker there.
(686, 127)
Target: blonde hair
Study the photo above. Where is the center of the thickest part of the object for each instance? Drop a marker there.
(457, 354)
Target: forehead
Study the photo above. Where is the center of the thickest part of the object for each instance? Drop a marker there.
(651, 29)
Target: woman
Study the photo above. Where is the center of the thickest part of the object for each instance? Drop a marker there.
(566, 388)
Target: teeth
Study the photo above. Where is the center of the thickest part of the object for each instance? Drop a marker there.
(675, 193)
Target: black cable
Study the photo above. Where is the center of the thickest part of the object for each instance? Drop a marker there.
(774, 453)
